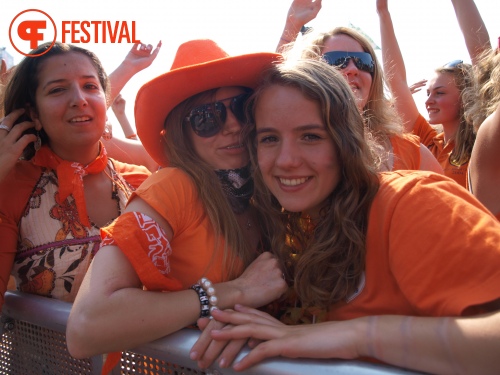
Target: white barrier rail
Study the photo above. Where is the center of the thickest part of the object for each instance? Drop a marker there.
(33, 342)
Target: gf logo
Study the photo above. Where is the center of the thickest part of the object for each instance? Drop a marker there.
(29, 29)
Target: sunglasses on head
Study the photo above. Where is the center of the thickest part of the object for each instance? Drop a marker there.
(362, 60)
(208, 119)
(453, 64)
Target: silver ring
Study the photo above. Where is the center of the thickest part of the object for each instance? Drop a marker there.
(4, 127)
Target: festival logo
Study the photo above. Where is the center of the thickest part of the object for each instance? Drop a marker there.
(32, 27)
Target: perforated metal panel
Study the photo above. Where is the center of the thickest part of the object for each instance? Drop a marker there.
(132, 363)
(33, 343)
(27, 349)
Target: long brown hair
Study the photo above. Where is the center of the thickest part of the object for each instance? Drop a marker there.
(325, 260)
(181, 154)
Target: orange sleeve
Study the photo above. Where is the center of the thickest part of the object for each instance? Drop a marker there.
(146, 246)
(406, 150)
(194, 249)
(443, 246)
(135, 175)
(15, 191)
(424, 131)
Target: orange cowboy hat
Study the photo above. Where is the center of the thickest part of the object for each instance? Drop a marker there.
(199, 65)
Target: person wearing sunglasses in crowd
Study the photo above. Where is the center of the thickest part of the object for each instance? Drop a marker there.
(54, 201)
(191, 219)
(357, 244)
(353, 54)
(445, 101)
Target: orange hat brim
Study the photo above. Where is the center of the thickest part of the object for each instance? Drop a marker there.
(158, 97)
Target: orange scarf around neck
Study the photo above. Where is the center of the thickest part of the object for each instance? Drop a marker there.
(70, 175)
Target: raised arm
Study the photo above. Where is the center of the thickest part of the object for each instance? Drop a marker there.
(300, 13)
(139, 57)
(118, 107)
(473, 28)
(485, 163)
(394, 68)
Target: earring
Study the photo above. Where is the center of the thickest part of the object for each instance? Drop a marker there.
(38, 142)
(108, 131)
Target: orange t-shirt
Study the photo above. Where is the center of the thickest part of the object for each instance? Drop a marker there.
(406, 150)
(441, 151)
(173, 195)
(432, 249)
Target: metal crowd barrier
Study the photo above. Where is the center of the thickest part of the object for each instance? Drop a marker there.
(33, 343)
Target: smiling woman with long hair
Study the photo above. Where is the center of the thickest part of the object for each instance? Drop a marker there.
(359, 250)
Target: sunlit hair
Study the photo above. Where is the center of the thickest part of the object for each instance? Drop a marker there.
(327, 261)
(379, 113)
(181, 154)
(483, 97)
(465, 134)
(21, 89)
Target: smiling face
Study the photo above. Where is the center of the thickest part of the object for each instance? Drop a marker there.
(225, 149)
(70, 106)
(443, 100)
(296, 155)
(359, 80)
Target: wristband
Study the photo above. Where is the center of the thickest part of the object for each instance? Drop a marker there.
(209, 290)
(204, 303)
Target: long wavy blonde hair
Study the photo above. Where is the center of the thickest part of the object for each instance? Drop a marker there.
(482, 98)
(326, 259)
(465, 135)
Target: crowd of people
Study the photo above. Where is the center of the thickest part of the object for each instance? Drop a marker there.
(291, 204)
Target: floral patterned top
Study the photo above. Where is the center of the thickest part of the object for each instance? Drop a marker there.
(53, 249)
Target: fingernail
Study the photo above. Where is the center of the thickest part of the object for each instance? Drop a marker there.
(193, 355)
(223, 363)
(236, 366)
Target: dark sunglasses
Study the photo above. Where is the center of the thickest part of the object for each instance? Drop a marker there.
(362, 60)
(208, 119)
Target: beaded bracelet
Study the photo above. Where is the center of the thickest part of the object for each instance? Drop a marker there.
(206, 291)
(204, 304)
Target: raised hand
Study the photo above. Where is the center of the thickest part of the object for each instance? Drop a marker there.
(303, 11)
(417, 86)
(12, 140)
(299, 13)
(118, 105)
(141, 55)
